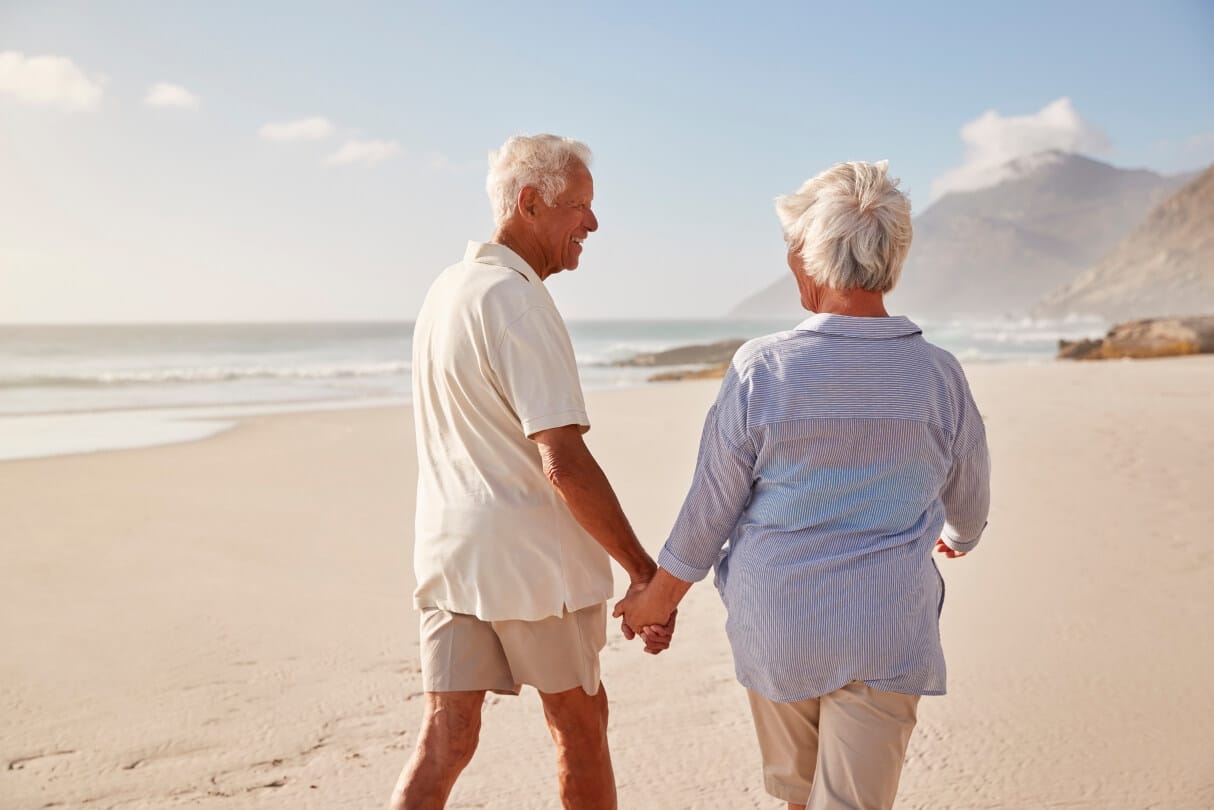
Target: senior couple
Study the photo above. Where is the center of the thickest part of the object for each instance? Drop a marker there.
(837, 456)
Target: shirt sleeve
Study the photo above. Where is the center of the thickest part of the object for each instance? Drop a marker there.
(967, 490)
(720, 487)
(537, 371)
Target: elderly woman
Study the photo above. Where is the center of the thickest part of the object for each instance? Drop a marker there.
(836, 456)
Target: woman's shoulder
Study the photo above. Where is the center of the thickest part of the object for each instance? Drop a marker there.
(758, 351)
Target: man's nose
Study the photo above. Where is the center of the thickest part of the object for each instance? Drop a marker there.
(590, 221)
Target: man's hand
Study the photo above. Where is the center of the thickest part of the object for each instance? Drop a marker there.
(633, 589)
(952, 554)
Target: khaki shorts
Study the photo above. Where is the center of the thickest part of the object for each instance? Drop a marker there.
(841, 750)
(461, 653)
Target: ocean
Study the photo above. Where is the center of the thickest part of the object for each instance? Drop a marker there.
(79, 388)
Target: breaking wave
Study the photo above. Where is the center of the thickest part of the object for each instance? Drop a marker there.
(203, 374)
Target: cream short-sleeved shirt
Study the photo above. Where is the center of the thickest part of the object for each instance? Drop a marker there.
(492, 365)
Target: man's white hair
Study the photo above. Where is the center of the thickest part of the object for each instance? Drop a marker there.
(851, 225)
(539, 161)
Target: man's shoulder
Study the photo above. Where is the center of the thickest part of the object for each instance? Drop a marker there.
(495, 290)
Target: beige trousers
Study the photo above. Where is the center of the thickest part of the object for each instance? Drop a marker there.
(841, 751)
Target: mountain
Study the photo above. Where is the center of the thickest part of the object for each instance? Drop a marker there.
(1164, 267)
(997, 250)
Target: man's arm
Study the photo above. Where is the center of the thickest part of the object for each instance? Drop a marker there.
(584, 488)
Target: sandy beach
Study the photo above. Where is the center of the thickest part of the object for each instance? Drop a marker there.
(228, 623)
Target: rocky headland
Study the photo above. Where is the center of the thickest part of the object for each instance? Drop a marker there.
(1165, 265)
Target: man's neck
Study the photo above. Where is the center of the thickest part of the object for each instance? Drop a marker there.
(523, 247)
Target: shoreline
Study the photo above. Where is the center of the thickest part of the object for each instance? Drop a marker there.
(69, 433)
(80, 432)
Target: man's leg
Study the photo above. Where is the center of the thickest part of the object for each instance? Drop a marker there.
(863, 734)
(578, 724)
(449, 733)
(461, 659)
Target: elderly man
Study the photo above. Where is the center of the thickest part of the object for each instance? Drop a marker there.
(515, 519)
(836, 456)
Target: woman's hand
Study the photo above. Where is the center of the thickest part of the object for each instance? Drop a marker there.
(952, 554)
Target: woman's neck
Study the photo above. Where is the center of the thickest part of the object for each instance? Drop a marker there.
(853, 303)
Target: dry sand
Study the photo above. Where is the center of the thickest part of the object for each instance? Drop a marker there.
(227, 623)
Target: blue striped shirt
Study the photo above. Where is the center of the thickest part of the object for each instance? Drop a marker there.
(833, 458)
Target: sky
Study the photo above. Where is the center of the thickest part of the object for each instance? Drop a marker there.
(295, 161)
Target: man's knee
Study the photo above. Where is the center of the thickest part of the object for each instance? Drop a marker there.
(575, 717)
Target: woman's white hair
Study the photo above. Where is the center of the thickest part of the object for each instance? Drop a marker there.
(851, 225)
(539, 161)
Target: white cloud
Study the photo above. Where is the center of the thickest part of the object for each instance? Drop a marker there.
(164, 94)
(49, 81)
(992, 141)
(366, 152)
(305, 129)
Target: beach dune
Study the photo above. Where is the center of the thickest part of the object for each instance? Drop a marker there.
(228, 622)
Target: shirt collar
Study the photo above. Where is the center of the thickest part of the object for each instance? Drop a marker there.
(493, 253)
(894, 326)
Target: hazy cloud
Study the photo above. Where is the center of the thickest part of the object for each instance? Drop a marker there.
(48, 81)
(1199, 141)
(305, 129)
(992, 140)
(165, 94)
(436, 161)
(365, 152)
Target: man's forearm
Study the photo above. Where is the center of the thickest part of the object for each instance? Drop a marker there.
(584, 488)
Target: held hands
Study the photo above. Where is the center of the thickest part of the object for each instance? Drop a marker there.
(942, 548)
(640, 609)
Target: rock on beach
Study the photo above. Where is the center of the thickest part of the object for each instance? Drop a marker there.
(1150, 337)
(702, 361)
(722, 351)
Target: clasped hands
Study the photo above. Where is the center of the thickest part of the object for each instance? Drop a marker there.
(642, 613)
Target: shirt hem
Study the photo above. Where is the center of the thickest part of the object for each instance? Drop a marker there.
(874, 683)
(539, 614)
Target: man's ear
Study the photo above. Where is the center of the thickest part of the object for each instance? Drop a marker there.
(527, 199)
